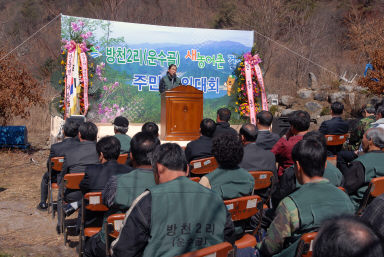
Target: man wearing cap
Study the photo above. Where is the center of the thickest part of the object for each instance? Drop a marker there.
(121, 128)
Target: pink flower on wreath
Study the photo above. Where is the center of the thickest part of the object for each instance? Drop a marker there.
(105, 79)
(86, 35)
(83, 47)
(75, 26)
(70, 46)
(253, 60)
(105, 88)
(116, 84)
(102, 65)
(115, 106)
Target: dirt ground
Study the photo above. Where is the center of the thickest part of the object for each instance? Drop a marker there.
(24, 230)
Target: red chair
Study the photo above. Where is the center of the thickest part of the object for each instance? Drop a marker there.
(240, 209)
(71, 181)
(336, 139)
(122, 159)
(112, 228)
(304, 248)
(204, 166)
(56, 163)
(93, 203)
(196, 179)
(263, 179)
(219, 250)
(375, 188)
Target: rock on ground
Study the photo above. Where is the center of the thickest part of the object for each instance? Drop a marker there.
(305, 93)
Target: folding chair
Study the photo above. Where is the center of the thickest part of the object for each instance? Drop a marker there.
(375, 188)
(56, 163)
(122, 159)
(71, 181)
(263, 179)
(196, 179)
(304, 248)
(94, 203)
(112, 228)
(243, 208)
(204, 166)
(336, 139)
(219, 250)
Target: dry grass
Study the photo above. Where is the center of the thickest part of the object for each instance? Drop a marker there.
(25, 231)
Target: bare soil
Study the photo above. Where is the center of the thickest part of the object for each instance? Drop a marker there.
(24, 230)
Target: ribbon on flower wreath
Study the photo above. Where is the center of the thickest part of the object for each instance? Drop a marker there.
(76, 55)
(252, 62)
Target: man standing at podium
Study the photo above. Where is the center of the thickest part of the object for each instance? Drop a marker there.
(170, 80)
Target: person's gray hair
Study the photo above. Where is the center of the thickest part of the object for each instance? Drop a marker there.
(120, 129)
(377, 136)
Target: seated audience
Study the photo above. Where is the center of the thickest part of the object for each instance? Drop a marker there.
(299, 121)
(75, 161)
(71, 130)
(121, 128)
(255, 158)
(305, 209)
(379, 118)
(201, 147)
(97, 175)
(174, 217)
(373, 215)
(347, 237)
(359, 173)
(122, 189)
(228, 180)
(151, 128)
(344, 158)
(265, 138)
(288, 182)
(335, 126)
(222, 125)
(356, 136)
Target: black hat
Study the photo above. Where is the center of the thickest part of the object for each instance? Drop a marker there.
(121, 122)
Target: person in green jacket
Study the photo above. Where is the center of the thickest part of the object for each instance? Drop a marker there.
(228, 180)
(121, 128)
(174, 217)
(170, 80)
(305, 209)
(367, 166)
(121, 190)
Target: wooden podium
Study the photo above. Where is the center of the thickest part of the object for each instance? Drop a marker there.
(181, 113)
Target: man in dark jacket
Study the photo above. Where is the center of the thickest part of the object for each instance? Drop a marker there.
(75, 161)
(201, 147)
(255, 158)
(265, 138)
(97, 175)
(222, 125)
(71, 128)
(121, 190)
(335, 126)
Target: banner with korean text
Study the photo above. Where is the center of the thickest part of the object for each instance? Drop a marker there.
(127, 61)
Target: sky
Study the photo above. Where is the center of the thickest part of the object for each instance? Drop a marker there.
(136, 33)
